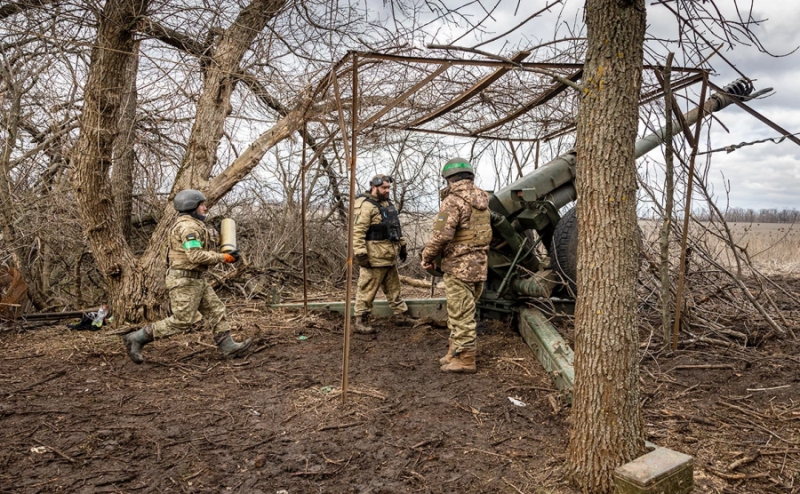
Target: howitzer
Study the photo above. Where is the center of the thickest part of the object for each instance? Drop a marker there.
(528, 211)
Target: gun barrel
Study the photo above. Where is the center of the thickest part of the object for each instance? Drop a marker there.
(738, 89)
(553, 180)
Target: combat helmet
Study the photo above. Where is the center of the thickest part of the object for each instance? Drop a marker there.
(187, 200)
(456, 165)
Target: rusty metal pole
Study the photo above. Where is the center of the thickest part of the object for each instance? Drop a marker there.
(347, 302)
(303, 219)
(686, 214)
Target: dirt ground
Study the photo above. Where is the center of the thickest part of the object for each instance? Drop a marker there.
(77, 415)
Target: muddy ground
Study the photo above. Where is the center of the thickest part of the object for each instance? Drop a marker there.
(77, 415)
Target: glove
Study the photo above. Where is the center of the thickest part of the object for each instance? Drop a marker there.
(362, 260)
(232, 256)
(403, 253)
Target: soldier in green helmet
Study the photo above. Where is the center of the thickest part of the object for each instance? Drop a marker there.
(191, 250)
(462, 232)
(377, 244)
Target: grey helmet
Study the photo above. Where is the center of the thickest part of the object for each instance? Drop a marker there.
(187, 200)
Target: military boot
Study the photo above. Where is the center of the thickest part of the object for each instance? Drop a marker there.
(362, 325)
(136, 340)
(405, 318)
(228, 347)
(447, 358)
(463, 362)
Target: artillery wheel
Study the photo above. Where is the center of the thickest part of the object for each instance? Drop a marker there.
(564, 250)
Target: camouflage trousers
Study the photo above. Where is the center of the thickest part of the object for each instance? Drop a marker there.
(461, 299)
(369, 280)
(187, 297)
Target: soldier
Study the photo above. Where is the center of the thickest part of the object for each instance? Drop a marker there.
(461, 234)
(190, 252)
(377, 243)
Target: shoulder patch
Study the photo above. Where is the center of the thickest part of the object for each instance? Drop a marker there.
(192, 242)
(441, 221)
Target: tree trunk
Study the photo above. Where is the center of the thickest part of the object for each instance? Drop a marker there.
(607, 424)
(92, 156)
(124, 156)
(214, 105)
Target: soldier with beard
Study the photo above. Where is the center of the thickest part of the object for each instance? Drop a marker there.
(461, 235)
(377, 244)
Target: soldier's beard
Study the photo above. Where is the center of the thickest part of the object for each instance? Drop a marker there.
(382, 197)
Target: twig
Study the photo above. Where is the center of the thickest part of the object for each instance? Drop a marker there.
(703, 366)
(52, 376)
(742, 461)
(737, 476)
(512, 485)
(769, 389)
(743, 410)
(58, 452)
(340, 426)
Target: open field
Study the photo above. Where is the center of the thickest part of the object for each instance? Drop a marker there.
(773, 247)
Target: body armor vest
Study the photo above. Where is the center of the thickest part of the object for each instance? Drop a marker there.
(479, 233)
(389, 227)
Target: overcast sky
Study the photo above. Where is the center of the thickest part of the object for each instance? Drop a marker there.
(761, 176)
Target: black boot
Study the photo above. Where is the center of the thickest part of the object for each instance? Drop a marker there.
(136, 340)
(228, 347)
(362, 325)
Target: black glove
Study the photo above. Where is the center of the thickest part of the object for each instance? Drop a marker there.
(235, 254)
(362, 260)
(403, 253)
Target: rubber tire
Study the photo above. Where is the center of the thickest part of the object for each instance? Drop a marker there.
(564, 250)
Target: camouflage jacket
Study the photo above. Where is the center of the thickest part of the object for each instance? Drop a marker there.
(381, 253)
(192, 245)
(467, 261)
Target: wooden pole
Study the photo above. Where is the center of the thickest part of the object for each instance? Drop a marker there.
(686, 214)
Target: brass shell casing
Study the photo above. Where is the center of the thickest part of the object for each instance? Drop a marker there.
(227, 235)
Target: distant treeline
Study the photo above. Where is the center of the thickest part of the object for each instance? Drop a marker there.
(742, 215)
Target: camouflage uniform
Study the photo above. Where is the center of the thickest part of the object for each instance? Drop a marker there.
(461, 234)
(382, 254)
(189, 292)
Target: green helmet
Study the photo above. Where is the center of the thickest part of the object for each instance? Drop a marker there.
(187, 200)
(456, 165)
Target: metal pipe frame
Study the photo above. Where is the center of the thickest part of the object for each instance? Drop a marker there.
(303, 220)
(350, 223)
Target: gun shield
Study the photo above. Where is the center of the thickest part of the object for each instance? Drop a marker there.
(228, 235)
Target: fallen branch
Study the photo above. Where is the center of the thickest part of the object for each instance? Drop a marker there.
(58, 452)
(52, 376)
(340, 426)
